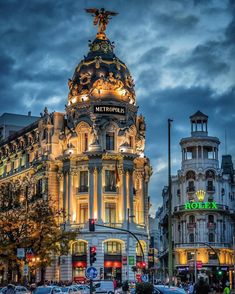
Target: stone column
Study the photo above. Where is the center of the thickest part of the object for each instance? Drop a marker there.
(91, 192)
(131, 200)
(70, 195)
(65, 193)
(124, 196)
(142, 199)
(99, 193)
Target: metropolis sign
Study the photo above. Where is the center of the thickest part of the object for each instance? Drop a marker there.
(109, 109)
(200, 205)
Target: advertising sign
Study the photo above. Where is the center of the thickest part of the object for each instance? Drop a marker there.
(20, 252)
(131, 260)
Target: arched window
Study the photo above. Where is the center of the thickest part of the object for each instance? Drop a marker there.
(113, 247)
(190, 175)
(211, 237)
(211, 218)
(210, 174)
(191, 219)
(191, 238)
(79, 248)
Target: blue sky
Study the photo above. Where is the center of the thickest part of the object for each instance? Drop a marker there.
(180, 53)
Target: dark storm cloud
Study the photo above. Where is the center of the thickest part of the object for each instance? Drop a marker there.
(180, 53)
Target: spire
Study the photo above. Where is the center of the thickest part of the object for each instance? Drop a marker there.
(101, 18)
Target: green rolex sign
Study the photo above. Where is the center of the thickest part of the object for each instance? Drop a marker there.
(200, 205)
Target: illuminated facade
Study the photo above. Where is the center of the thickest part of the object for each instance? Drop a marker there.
(202, 207)
(91, 161)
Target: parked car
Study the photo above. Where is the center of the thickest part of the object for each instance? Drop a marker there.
(164, 289)
(18, 290)
(83, 289)
(104, 286)
(47, 290)
(70, 290)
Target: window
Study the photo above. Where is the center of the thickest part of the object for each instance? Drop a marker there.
(79, 248)
(112, 247)
(210, 186)
(83, 181)
(85, 141)
(83, 213)
(191, 219)
(212, 256)
(211, 237)
(110, 181)
(110, 212)
(190, 255)
(131, 141)
(191, 238)
(210, 218)
(191, 187)
(39, 187)
(109, 141)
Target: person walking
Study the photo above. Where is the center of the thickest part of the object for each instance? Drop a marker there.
(202, 287)
(191, 288)
(227, 288)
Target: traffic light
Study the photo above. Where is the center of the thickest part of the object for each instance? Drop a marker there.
(101, 273)
(92, 255)
(91, 225)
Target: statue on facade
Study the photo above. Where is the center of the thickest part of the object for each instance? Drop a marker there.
(101, 17)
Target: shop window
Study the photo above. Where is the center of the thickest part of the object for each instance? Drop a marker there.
(110, 181)
(83, 181)
(110, 212)
(112, 247)
(110, 141)
(83, 213)
(190, 255)
(212, 256)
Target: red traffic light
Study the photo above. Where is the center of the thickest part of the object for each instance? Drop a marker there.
(143, 264)
(93, 249)
(91, 224)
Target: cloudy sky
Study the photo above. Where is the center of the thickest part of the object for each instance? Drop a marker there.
(181, 54)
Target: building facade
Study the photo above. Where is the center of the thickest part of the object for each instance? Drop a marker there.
(202, 208)
(91, 161)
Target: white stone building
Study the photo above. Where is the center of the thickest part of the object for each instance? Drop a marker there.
(203, 195)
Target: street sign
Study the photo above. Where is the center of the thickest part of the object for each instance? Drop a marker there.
(26, 270)
(20, 253)
(199, 264)
(144, 278)
(91, 273)
(131, 260)
(124, 260)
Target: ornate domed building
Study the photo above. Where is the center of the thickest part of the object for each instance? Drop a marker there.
(94, 165)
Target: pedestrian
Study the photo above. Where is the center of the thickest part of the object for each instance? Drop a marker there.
(227, 288)
(10, 289)
(202, 287)
(191, 288)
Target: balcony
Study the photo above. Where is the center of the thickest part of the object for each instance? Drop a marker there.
(201, 245)
(191, 225)
(181, 208)
(82, 189)
(113, 225)
(191, 189)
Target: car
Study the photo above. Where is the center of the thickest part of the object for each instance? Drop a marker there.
(18, 290)
(83, 289)
(104, 286)
(47, 290)
(69, 290)
(165, 289)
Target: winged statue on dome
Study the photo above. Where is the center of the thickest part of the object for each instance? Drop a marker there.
(101, 17)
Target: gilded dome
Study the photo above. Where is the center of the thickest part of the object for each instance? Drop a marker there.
(101, 76)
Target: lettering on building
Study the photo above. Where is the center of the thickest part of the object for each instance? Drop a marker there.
(107, 109)
(200, 205)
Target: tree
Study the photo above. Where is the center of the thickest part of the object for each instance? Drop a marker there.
(32, 221)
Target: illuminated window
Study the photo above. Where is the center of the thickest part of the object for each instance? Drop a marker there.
(110, 212)
(112, 247)
(79, 248)
(190, 255)
(83, 213)
(109, 141)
